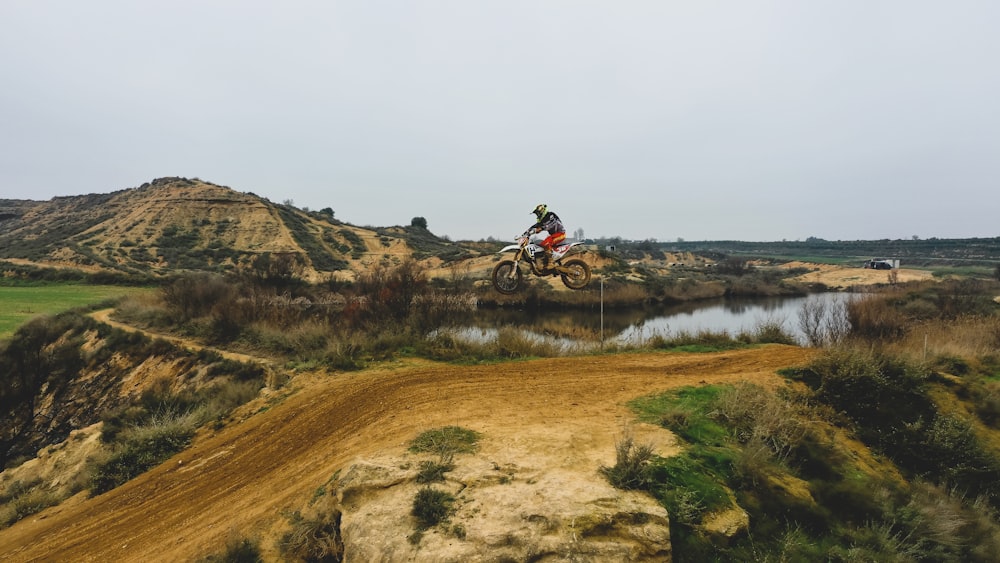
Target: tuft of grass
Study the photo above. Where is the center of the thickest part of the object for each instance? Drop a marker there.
(756, 415)
(631, 468)
(21, 500)
(431, 507)
(143, 447)
(446, 442)
(769, 331)
(694, 342)
(313, 538)
(432, 471)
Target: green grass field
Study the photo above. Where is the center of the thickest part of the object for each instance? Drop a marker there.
(20, 303)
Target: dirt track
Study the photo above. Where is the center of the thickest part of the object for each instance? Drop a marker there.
(243, 477)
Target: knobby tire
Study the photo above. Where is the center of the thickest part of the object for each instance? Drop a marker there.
(580, 276)
(503, 281)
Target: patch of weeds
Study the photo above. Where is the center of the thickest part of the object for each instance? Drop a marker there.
(446, 441)
(431, 507)
(313, 538)
(776, 456)
(951, 364)
(695, 478)
(631, 468)
(143, 448)
(695, 343)
(21, 500)
(432, 471)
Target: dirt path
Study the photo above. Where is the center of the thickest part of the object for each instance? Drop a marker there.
(246, 475)
(104, 316)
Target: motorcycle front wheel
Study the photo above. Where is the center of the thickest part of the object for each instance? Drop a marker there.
(506, 277)
(578, 276)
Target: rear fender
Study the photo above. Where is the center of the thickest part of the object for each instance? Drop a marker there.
(564, 249)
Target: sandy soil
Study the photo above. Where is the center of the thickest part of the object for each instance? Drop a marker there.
(245, 476)
(840, 277)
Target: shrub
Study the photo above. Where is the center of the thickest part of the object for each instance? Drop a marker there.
(701, 341)
(315, 538)
(514, 343)
(144, 447)
(878, 392)
(432, 471)
(874, 318)
(631, 468)
(242, 371)
(390, 292)
(195, 295)
(756, 415)
(431, 506)
(734, 266)
(887, 402)
(21, 500)
(987, 402)
(931, 523)
(951, 451)
(771, 331)
(344, 354)
(822, 324)
(446, 441)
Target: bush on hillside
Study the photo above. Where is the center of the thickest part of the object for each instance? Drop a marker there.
(807, 499)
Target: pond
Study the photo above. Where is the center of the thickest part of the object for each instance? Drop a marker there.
(732, 315)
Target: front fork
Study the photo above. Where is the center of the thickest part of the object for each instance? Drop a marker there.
(517, 263)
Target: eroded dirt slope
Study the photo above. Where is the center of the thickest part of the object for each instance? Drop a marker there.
(242, 478)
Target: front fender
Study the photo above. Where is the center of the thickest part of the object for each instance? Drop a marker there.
(509, 248)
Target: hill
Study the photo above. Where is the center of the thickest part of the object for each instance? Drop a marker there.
(532, 491)
(176, 224)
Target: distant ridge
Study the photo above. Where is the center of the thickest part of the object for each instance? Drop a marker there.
(173, 224)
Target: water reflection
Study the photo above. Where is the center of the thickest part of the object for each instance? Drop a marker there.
(723, 315)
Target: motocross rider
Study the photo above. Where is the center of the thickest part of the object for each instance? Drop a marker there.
(549, 231)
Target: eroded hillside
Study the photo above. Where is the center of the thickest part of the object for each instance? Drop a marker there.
(176, 224)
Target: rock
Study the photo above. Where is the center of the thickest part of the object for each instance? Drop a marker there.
(728, 523)
(499, 514)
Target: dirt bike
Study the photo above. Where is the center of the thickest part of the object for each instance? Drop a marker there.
(507, 275)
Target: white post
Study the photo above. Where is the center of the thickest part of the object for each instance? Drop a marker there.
(602, 312)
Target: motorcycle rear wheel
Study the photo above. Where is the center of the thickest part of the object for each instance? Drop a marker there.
(579, 275)
(506, 277)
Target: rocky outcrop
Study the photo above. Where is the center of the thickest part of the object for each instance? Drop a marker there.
(499, 513)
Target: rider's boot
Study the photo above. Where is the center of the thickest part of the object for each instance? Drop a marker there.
(546, 259)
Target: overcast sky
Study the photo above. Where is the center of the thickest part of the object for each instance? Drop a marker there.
(696, 119)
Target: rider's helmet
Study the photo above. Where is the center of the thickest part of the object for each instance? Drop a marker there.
(540, 210)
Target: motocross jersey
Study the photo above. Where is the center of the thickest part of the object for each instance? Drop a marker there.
(550, 222)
